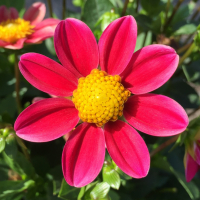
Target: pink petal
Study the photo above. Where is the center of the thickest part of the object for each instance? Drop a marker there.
(76, 47)
(35, 13)
(127, 149)
(83, 155)
(4, 13)
(46, 120)
(13, 13)
(197, 153)
(47, 75)
(18, 45)
(156, 115)
(47, 22)
(117, 44)
(149, 68)
(3, 43)
(191, 168)
(40, 35)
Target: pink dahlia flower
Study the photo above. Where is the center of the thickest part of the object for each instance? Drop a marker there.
(100, 97)
(15, 32)
(192, 160)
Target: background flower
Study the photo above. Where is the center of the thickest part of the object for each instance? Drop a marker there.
(15, 32)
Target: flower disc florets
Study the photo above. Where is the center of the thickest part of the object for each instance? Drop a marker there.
(15, 29)
(100, 98)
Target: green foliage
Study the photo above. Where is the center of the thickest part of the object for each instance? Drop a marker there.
(19, 4)
(100, 191)
(191, 188)
(186, 29)
(2, 143)
(111, 177)
(93, 10)
(67, 192)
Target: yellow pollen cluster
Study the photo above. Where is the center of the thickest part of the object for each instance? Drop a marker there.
(100, 98)
(15, 29)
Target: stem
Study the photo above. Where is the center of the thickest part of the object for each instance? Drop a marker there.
(192, 18)
(184, 48)
(124, 8)
(164, 145)
(187, 53)
(195, 14)
(50, 8)
(137, 6)
(145, 37)
(188, 39)
(23, 147)
(167, 9)
(17, 85)
(194, 111)
(64, 9)
(173, 13)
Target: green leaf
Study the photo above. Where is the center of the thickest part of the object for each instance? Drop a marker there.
(93, 10)
(2, 143)
(78, 3)
(120, 172)
(19, 164)
(140, 40)
(16, 160)
(117, 3)
(111, 177)
(81, 193)
(11, 146)
(152, 8)
(68, 192)
(186, 29)
(183, 12)
(88, 189)
(143, 21)
(10, 187)
(50, 46)
(197, 39)
(100, 191)
(18, 4)
(106, 19)
(191, 188)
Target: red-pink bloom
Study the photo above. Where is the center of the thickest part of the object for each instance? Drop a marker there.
(192, 160)
(15, 32)
(141, 73)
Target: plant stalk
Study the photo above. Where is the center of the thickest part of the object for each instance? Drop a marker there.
(164, 145)
(137, 6)
(17, 84)
(50, 8)
(187, 53)
(124, 8)
(195, 14)
(173, 13)
(23, 147)
(64, 9)
(145, 38)
(167, 9)
(184, 48)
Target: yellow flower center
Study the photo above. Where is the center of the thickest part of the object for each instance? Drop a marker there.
(100, 98)
(15, 29)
